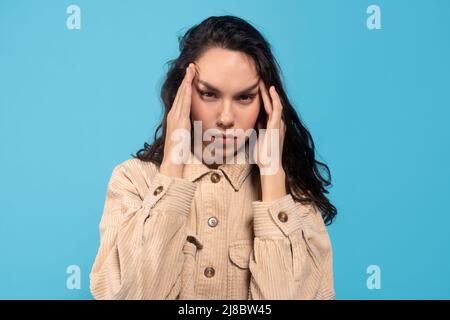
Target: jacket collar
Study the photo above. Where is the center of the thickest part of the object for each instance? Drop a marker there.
(235, 173)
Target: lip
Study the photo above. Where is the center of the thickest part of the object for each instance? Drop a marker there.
(228, 137)
(225, 139)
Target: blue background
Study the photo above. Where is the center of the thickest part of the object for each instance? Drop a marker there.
(75, 103)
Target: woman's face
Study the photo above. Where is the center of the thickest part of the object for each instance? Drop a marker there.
(225, 95)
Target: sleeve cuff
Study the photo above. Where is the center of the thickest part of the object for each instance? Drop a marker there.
(176, 194)
(276, 218)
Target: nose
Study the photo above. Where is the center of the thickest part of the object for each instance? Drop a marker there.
(226, 117)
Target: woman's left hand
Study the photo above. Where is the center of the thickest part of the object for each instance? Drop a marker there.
(269, 147)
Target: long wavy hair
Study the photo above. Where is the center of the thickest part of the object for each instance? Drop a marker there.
(306, 177)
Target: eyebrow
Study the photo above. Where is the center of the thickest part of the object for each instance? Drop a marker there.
(211, 87)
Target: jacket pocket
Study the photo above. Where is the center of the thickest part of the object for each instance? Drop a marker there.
(238, 269)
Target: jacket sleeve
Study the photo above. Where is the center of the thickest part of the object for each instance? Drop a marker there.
(141, 240)
(292, 254)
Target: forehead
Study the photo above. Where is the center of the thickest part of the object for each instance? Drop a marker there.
(227, 70)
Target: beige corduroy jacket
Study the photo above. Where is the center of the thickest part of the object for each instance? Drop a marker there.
(207, 236)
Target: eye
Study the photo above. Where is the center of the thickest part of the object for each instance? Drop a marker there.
(246, 98)
(207, 94)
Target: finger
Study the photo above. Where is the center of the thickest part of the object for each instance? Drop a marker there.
(276, 104)
(195, 67)
(283, 128)
(180, 93)
(187, 99)
(265, 97)
(283, 133)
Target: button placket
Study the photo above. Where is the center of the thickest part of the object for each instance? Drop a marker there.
(208, 262)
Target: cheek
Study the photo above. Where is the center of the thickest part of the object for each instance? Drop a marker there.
(249, 115)
(201, 111)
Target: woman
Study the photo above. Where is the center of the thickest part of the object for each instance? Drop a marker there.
(193, 225)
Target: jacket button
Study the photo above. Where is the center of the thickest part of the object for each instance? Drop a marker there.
(282, 216)
(209, 272)
(158, 190)
(212, 222)
(215, 177)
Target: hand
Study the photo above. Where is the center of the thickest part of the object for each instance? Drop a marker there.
(268, 151)
(178, 118)
(269, 147)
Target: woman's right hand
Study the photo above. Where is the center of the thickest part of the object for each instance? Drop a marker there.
(178, 117)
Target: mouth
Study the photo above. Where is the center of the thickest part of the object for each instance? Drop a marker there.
(225, 139)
